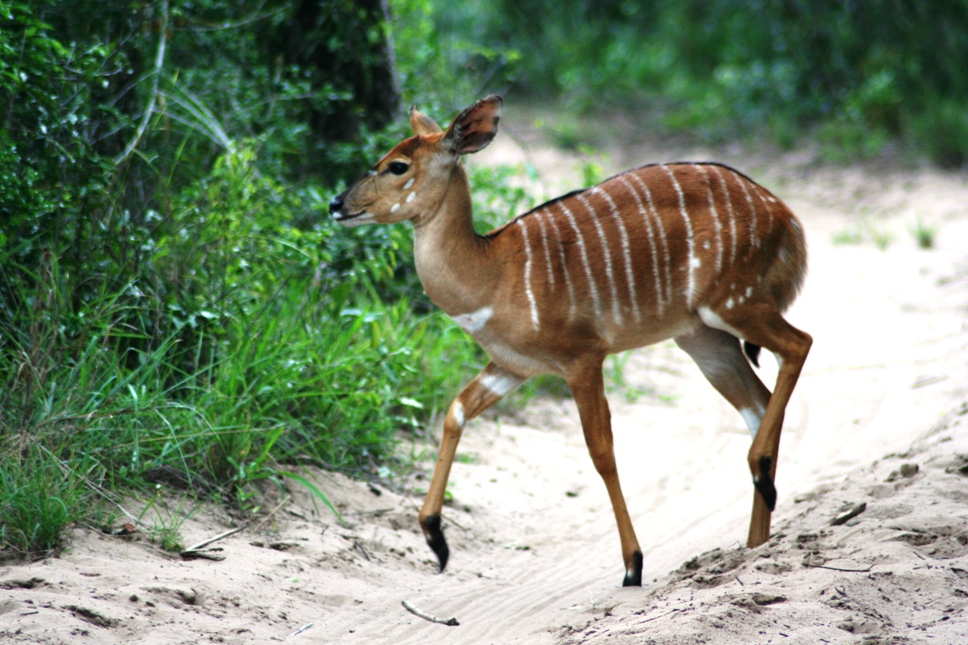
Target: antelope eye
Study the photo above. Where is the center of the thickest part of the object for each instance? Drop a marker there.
(398, 167)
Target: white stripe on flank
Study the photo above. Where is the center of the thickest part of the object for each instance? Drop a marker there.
(626, 252)
(584, 258)
(749, 198)
(648, 229)
(573, 311)
(616, 312)
(766, 206)
(547, 251)
(527, 274)
(693, 260)
(715, 214)
(732, 216)
(662, 238)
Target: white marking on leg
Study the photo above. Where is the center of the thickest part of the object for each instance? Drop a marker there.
(411, 197)
(527, 275)
(474, 321)
(500, 384)
(715, 214)
(626, 252)
(732, 215)
(753, 420)
(616, 312)
(409, 183)
(596, 301)
(651, 235)
(690, 241)
(662, 238)
(458, 410)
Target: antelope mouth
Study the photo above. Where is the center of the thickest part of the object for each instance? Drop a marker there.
(353, 219)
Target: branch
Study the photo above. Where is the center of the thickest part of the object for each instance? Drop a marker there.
(450, 622)
(159, 63)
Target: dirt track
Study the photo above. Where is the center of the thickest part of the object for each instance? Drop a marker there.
(535, 555)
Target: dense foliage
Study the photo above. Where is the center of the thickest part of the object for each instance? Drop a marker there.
(863, 72)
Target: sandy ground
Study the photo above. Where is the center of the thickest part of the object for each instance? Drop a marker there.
(879, 422)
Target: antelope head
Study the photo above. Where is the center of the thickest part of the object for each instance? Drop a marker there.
(411, 181)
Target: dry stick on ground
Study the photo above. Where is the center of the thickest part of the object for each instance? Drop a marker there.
(849, 515)
(450, 622)
(205, 543)
(271, 513)
(302, 629)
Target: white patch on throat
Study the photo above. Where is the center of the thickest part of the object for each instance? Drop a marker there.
(474, 321)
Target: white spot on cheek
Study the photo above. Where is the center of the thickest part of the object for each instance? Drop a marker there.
(474, 321)
(411, 197)
(458, 410)
(395, 208)
(499, 384)
(408, 184)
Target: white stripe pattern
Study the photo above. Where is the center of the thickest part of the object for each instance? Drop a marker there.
(715, 214)
(662, 238)
(547, 251)
(626, 252)
(573, 311)
(593, 216)
(732, 216)
(690, 240)
(527, 275)
(592, 288)
(648, 228)
(749, 199)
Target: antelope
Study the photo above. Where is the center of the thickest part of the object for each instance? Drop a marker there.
(696, 252)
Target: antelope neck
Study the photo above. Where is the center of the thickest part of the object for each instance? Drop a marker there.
(451, 259)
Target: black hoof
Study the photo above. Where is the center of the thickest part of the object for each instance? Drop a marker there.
(435, 539)
(633, 578)
(764, 483)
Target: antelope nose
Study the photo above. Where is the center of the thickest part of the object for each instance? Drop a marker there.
(336, 205)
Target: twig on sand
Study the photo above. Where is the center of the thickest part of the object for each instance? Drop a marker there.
(301, 629)
(823, 566)
(205, 543)
(270, 514)
(849, 515)
(450, 622)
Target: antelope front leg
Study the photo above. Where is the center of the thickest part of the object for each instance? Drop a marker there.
(489, 387)
(588, 388)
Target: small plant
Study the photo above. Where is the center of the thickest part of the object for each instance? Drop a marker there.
(848, 236)
(881, 237)
(924, 234)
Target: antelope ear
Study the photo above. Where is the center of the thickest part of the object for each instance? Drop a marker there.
(422, 124)
(475, 127)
